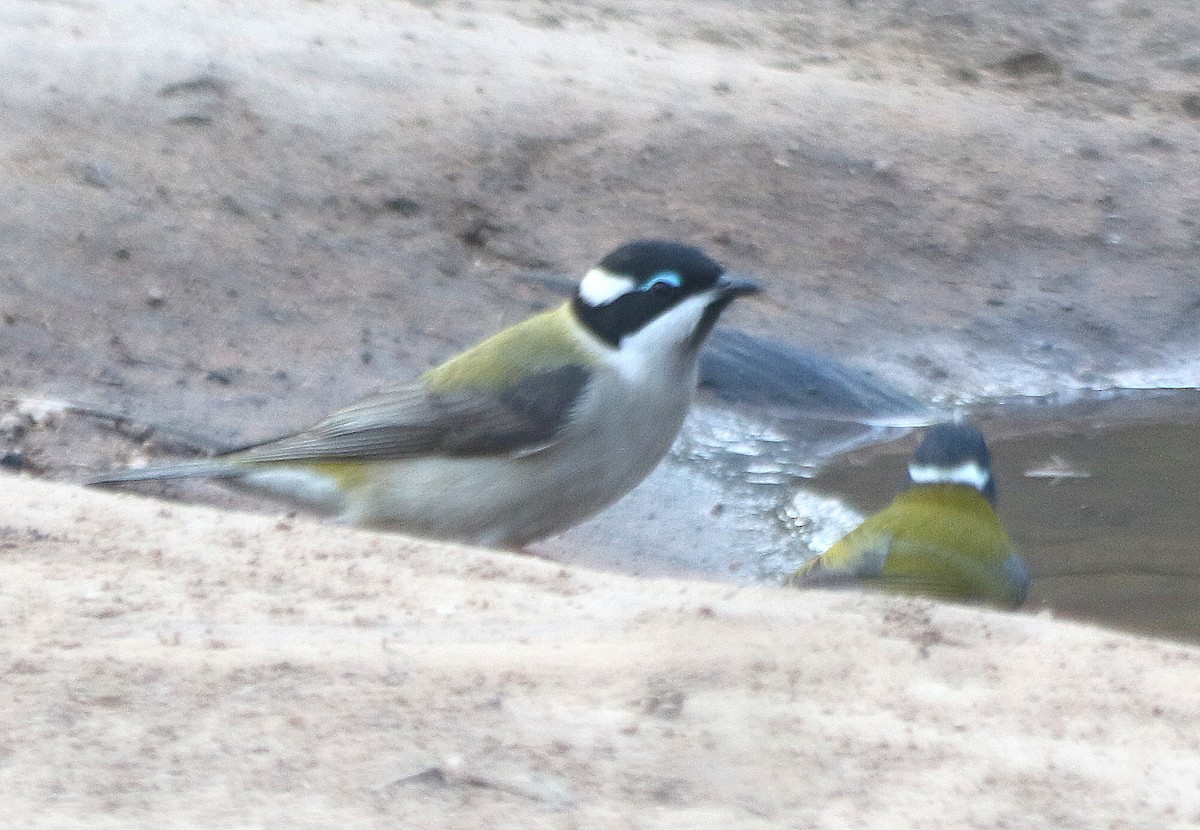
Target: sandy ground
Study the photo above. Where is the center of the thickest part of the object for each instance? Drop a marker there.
(184, 667)
(234, 216)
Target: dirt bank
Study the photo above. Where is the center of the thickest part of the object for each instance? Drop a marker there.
(183, 667)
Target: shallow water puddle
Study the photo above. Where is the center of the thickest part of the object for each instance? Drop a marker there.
(1101, 496)
(1100, 493)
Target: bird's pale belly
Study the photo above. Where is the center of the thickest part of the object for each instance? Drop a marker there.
(495, 501)
(500, 502)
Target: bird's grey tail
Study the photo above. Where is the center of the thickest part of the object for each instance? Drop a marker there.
(186, 469)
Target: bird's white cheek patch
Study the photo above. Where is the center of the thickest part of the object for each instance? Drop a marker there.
(599, 286)
(970, 473)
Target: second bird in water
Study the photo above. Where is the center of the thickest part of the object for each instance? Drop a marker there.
(939, 538)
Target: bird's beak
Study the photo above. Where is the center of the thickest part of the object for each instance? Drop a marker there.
(730, 286)
(727, 289)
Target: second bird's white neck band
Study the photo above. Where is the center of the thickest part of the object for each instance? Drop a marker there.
(970, 473)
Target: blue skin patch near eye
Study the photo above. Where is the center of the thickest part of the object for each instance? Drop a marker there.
(671, 278)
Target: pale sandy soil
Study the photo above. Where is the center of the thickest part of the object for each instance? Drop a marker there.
(233, 216)
(183, 667)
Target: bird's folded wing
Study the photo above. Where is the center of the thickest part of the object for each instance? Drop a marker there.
(912, 566)
(857, 556)
(901, 564)
(517, 419)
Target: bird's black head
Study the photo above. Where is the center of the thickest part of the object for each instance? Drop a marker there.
(954, 453)
(650, 280)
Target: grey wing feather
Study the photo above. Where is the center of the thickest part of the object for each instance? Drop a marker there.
(412, 421)
(867, 563)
